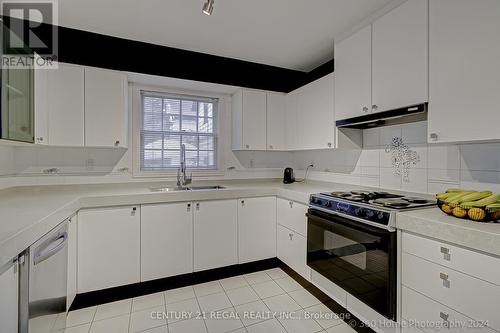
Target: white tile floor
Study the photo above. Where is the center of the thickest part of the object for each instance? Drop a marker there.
(267, 301)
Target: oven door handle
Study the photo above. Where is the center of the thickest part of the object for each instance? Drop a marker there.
(351, 221)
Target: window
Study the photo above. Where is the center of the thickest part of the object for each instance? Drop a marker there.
(171, 121)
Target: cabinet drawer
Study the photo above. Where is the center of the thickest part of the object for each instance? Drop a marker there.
(292, 250)
(471, 296)
(417, 310)
(473, 263)
(292, 215)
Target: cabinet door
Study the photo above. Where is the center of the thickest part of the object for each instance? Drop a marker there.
(315, 114)
(108, 247)
(256, 229)
(400, 57)
(72, 259)
(254, 120)
(464, 70)
(17, 104)
(215, 234)
(276, 114)
(292, 250)
(292, 215)
(166, 240)
(105, 108)
(353, 75)
(9, 278)
(59, 105)
(291, 120)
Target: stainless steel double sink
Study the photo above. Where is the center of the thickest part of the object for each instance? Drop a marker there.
(188, 188)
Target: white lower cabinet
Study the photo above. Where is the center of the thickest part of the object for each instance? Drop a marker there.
(418, 310)
(215, 234)
(9, 277)
(72, 259)
(108, 247)
(292, 215)
(166, 240)
(460, 280)
(292, 250)
(256, 229)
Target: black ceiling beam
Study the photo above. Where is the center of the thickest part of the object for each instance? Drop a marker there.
(98, 50)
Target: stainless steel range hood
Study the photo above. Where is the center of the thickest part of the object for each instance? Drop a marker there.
(386, 118)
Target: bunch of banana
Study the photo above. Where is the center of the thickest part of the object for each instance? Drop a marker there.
(474, 204)
(481, 203)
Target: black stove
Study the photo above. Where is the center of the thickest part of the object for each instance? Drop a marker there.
(377, 208)
(351, 241)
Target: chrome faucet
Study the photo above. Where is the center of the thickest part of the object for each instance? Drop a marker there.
(182, 179)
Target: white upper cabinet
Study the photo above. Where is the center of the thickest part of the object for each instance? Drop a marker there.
(353, 75)
(59, 106)
(291, 120)
(315, 114)
(276, 114)
(166, 240)
(105, 108)
(464, 70)
(309, 121)
(400, 57)
(249, 120)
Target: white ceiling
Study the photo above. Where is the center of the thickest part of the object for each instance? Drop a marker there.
(295, 34)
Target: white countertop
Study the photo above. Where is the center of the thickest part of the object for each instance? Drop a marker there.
(28, 213)
(432, 222)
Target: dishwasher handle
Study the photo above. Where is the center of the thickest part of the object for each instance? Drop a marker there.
(54, 246)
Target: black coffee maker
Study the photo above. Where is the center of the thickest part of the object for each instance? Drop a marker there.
(288, 177)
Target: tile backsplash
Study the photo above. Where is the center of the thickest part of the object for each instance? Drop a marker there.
(439, 166)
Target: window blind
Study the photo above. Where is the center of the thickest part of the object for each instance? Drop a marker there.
(168, 121)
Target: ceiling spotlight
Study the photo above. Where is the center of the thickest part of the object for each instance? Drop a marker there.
(208, 7)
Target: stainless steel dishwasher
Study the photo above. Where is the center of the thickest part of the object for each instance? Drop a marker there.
(43, 283)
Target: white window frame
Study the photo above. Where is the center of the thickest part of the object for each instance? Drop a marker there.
(136, 114)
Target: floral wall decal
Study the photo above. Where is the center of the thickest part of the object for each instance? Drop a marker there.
(402, 158)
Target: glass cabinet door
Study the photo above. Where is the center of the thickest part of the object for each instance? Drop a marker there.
(17, 104)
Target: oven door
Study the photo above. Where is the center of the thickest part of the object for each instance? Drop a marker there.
(357, 257)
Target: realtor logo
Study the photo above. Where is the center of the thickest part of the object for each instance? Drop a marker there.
(29, 28)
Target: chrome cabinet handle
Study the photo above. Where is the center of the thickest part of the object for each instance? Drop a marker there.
(247, 146)
(374, 107)
(242, 203)
(132, 213)
(433, 136)
(291, 204)
(39, 139)
(270, 146)
(446, 253)
(329, 144)
(197, 206)
(445, 317)
(291, 236)
(365, 109)
(188, 207)
(48, 251)
(444, 277)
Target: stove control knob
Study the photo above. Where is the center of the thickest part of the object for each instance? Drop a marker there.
(327, 204)
(381, 215)
(370, 214)
(359, 212)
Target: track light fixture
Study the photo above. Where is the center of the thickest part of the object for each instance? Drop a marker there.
(208, 7)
